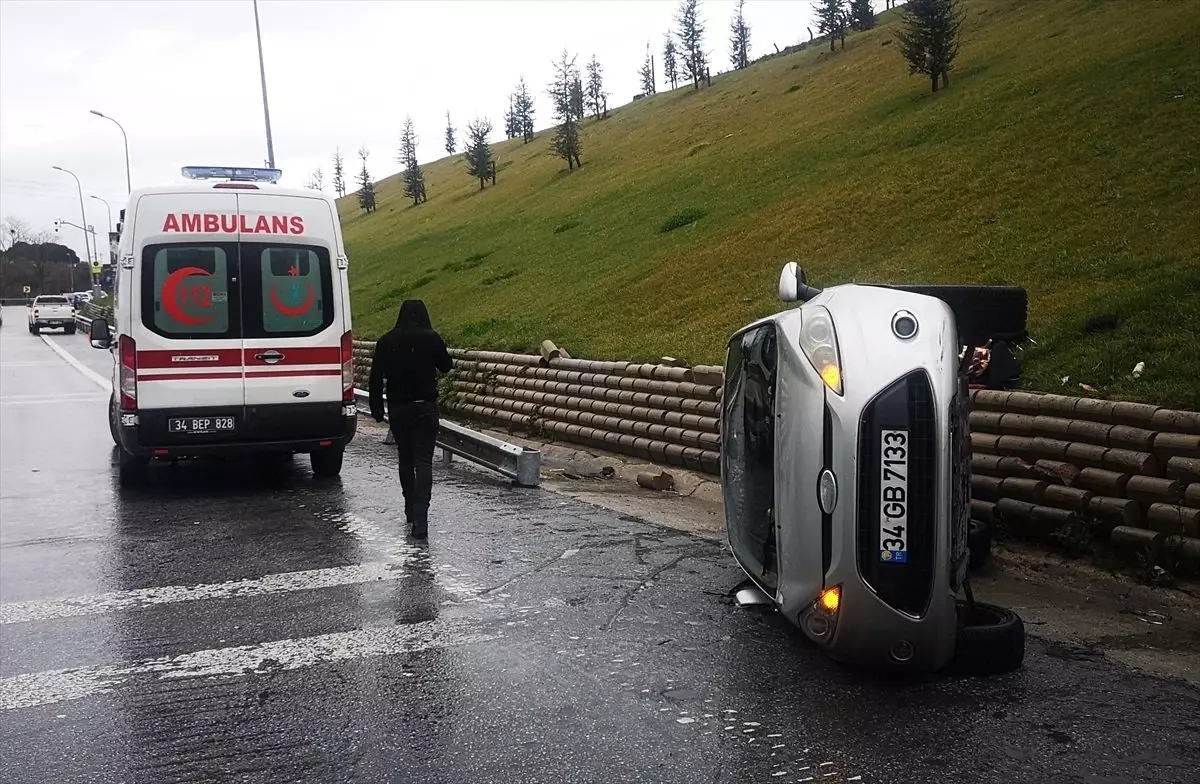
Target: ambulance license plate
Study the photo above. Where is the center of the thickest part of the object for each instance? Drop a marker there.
(893, 497)
(201, 425)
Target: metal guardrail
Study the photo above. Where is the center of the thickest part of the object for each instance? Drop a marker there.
(522, 465)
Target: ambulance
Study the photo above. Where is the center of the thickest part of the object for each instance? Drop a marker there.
(231, 324)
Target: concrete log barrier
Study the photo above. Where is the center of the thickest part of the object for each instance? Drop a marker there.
(1148, 490)
(983, 510)
(1191, 495)
(1094, 410)
(622, 410)
(1085, 454)
(1136, 438)
(1127, 460)
(1172, 519)
(1103, 481)
(1171, 421)
(1184, 468)
(997, 465)
(984, 442)
(687, 405)
(1056, 471)
(1168, 445)
(986, 488)
(1031, 490)
(1129, 538)
(987, 421)
(1057, 405)
(1061, 497)
(1136, 414)
(1115, 511)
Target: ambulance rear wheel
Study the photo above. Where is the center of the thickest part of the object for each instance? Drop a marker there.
(327, 463)
(112, 420)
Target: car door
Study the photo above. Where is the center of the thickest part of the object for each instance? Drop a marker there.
(292, 320)
(185, 304)
(748, 453)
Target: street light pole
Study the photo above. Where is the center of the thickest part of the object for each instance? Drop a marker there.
(82, 211)
(262, 73)
(128, 181)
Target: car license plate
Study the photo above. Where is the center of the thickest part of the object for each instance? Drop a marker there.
(893, 496)
(201, 425)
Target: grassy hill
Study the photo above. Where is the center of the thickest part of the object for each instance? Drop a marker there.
(1064, 158)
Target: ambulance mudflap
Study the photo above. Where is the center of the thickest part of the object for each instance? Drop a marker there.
(233, 326)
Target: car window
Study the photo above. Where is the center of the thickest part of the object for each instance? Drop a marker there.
(52, 301)
(189, 290)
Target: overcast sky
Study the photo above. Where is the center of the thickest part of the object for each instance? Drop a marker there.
(182, 78)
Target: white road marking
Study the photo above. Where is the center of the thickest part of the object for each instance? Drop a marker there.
(569, 553)
(53, 686)
(42, 399)
(90, 374)
(94, 604)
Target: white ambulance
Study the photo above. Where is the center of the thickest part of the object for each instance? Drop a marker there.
(231, 328)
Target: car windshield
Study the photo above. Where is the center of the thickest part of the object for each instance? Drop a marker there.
(52, 300)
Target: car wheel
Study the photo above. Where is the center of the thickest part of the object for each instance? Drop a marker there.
(327, 463)
(990, 640)
(69, 330)
(112, 420)
(35, 330)
(979, 543)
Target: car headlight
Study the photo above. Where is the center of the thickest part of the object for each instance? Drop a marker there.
(818, 341)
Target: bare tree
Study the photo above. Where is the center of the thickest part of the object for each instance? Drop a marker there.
(339, 174)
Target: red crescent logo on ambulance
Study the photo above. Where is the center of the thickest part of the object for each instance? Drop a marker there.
(300, 309)
(170, 295)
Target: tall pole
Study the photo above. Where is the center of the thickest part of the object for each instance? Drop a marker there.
(128, 181)
(262, 73)
(109, 208)
(82, 214)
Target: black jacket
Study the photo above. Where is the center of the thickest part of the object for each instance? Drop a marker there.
(407, 360)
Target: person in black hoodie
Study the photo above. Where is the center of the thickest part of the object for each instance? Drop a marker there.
(407, 361)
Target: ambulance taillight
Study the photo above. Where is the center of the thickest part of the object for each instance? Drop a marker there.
(127, 375)
(348, 368)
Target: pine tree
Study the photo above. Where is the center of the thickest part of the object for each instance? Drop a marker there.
(414, 178)
(366, 188)
(831, 19)
(671, 62)
(690, 32)
(647, 73)
(478, 153)
(319, 179)
(451, 146)
(577, 96)
(739, 39)
(523, 112)
(595, 87)
(566, 142)
(929, 37)
(511, 121)
(339, 174)
(862, 15)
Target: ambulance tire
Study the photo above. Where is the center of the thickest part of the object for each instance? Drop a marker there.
(132, 468)
(112, 420)
(327, 463)
(990, 640)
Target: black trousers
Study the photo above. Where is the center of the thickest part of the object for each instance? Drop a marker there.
(415, 428)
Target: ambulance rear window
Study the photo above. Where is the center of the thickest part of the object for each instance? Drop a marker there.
(189, 290)
(294, 289)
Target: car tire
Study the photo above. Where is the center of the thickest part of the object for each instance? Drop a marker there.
(35, 330)
(990, 640)
(979, 543)
(113, 426)
(69, 330)
(327, 463)
(132, 468)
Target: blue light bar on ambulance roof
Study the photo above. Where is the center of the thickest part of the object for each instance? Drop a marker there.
(231, 173)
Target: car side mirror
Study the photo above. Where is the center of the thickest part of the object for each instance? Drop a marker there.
(99, 334)
(793, 284)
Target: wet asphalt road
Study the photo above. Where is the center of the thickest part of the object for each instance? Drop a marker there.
(227, 623)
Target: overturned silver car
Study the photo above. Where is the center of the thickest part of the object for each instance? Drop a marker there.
(845, 461)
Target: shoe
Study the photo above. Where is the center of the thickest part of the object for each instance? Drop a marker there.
(420, 530)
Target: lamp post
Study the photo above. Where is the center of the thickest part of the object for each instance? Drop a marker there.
(128, 181)
(262, 73)
(82, 212)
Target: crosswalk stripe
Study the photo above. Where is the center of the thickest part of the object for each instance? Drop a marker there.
(286, 582)
(53, 686)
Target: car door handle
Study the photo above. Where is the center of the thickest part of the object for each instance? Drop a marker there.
(270, 357)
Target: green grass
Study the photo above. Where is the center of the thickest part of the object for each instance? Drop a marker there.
(1063, 159)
